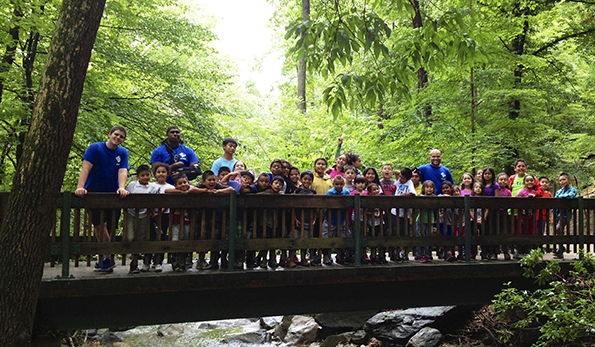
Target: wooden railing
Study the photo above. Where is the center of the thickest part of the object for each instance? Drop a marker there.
(242, 223)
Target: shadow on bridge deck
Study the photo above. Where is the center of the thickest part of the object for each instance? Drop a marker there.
(95, 300)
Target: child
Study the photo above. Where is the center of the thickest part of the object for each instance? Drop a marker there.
(424, 221)
(502, 180)
(210, 184)
(294, 177)
(354, 160)
(322, 181)
(476, 221)
(263, 182)
(337, 222)
(375, 222)
(360, 186)
(566, 192)
(527, 217)
(337, 169)
(304, 218)
(229, 148)
(543, 216)
(446, 216)
(416, 178)
(479, 176)
(223, 172)
(273, 223)
(137, 225)
(247, 179)
(491, 188)
(180, 227)
(404, 188)
(515, 182)
(371, 176)
(389, 186)
(466, 184)
(160, 218)
(349, 177)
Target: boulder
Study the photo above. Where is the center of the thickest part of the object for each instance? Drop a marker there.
(399, 326)
(268, 323)
(281, 329)
(170, 330)
(344, 321)
(258, 337)
(111, 337)
(303, 330)
(426, 337)
(226, 324)
(359, 337)
(335, 340)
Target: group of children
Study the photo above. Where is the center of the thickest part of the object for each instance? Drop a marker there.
(343, 178)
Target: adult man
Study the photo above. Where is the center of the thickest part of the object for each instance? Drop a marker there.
(105, 169)
(436, 172)
(174, 153)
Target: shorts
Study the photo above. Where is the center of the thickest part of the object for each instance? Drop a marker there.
(107, 216)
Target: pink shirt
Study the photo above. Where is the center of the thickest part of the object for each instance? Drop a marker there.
(525, 193)
(334, 172)
(465, 192)
(355, 192)
(505, 192)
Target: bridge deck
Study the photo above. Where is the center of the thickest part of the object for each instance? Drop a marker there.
(93, 299)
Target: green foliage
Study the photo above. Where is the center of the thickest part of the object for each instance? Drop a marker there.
(563, 309)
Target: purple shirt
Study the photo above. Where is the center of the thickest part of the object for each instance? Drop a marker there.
(490, 191)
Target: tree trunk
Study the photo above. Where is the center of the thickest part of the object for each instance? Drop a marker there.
(518, 48)
(301, 75)
(24, 233)
(422, 75)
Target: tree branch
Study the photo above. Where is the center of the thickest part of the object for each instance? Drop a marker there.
(563, 38)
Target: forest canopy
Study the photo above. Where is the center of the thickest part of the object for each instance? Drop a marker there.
(486, 82)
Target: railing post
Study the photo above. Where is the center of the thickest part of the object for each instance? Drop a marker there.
(233, 226)
(357, 229)
(467, 228)
(65, 232)
(581, 226)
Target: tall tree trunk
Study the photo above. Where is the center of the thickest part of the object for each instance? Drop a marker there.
(8, 57)
(422, 75)
(301, 74)
(28, 63)
(518, 48)
(24, 233)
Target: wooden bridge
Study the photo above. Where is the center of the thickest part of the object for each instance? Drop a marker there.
(73, 296)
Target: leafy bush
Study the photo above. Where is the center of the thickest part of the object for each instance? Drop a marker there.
(561, 312)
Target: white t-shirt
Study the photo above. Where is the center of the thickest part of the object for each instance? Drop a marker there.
(135, 187)
(403, 188)
(156, 188)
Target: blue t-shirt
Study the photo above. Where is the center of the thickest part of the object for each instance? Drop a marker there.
(341, 212)
(235, 185)
(436, 175)
(185, 155)
(219, 163)
(103, 176)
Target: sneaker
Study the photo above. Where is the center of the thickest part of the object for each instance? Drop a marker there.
(134, 270)
(273, 263)
(424, 259)
(484, 256)
(107, 266)
(97, 267)
(404, 257)
(460, 257)
(326, 260)
(366, 260)
(291, 264)
(145, 268)
(158, 268)
(205, 266)
(175, 267)
(507, 256)
(315, 261)
(305, 262)
(450, 258)
(492, 257)
(263, 263)
(559, 255)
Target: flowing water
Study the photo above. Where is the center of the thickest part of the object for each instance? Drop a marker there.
(198, 334)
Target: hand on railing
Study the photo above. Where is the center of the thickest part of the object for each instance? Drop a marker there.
(80, 192)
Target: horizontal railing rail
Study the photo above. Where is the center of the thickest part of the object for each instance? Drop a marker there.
(237, 226)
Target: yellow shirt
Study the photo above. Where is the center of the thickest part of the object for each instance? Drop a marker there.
(322, 184)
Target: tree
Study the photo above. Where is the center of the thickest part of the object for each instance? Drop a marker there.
(36, 186)
(301, 87)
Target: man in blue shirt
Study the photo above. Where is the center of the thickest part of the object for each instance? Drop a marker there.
(173, 152)
(105, 169)
(436, 172)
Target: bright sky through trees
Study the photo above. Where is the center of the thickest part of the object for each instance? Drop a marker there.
(244, 36)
